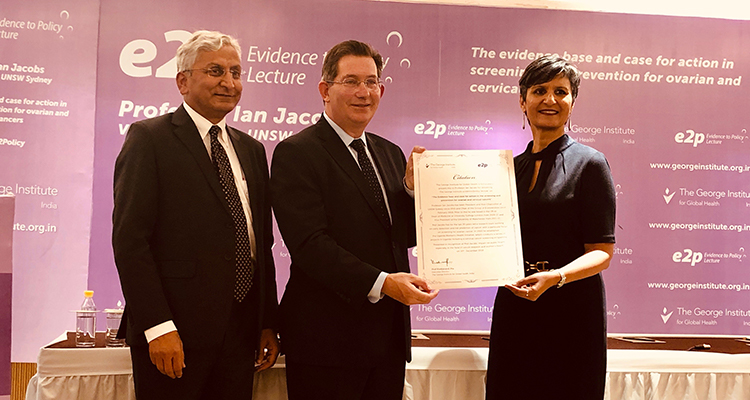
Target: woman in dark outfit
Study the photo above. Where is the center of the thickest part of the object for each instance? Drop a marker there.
(548, 337)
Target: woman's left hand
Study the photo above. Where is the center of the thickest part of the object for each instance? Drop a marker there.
(532, 286)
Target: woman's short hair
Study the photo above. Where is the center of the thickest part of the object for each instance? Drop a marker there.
(348, 48)
(545, 69)
(203, 41)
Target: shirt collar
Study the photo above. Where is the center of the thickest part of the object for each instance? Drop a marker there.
(204, 125)
(345, 137)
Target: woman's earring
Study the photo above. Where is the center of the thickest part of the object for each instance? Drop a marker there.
(524, 121)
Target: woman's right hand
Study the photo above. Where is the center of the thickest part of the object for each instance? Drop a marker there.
(533, 286)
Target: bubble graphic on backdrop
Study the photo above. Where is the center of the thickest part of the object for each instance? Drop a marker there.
(615, 311)
(618, 191)
(66, 16)
(489, 123)
(394, 38)
(394, 34)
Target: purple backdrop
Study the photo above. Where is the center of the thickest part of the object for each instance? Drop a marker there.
(440, 73)
(47, 83)
(662, 98)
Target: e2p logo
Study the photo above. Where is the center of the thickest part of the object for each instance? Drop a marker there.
(692, 137)
(138, 52)
(688, 256)
(433, 128)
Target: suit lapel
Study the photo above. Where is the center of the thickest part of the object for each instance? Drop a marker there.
(186, 131)
(343, 157)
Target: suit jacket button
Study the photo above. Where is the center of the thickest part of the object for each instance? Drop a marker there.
(228, 257)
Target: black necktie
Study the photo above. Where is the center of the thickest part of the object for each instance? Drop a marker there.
(372, 179)
(244, 273)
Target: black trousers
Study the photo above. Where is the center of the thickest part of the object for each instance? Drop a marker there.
(383, 381)
(219, 372)
(379, 379)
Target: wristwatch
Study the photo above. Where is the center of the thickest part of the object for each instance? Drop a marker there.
(562, 279)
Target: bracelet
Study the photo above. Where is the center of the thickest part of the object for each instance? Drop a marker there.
(562, 279)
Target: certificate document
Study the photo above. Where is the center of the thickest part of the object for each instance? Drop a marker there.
(468, 233)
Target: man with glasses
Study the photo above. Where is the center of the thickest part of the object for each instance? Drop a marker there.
(192, 237)
(340, 199)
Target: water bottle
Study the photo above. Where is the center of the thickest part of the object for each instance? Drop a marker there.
(86, 321)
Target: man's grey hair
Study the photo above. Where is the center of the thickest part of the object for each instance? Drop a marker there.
(203, 41)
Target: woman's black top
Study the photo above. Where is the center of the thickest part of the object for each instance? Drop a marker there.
(556, 347)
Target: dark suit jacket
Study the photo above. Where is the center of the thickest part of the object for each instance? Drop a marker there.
(327, 216)
(173, 235)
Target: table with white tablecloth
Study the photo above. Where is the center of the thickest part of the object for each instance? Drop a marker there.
(106, 373)
(436, 373)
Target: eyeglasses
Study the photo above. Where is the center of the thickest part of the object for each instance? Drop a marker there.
(353, 83)
(218, 71)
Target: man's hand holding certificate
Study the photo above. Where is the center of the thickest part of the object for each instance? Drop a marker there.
(468, 233)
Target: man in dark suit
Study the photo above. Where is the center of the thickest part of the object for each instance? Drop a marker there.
(192, 238)
(340, 200)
